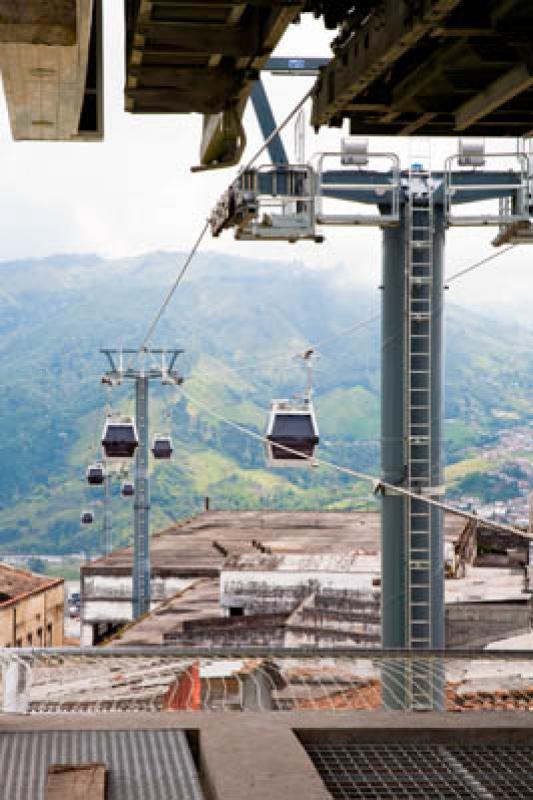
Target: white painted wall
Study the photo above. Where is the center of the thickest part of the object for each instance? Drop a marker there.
(107, 598)
(255, 581)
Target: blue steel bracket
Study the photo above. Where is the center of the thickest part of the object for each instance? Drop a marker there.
(239, 205)
(267, 123)
(475, 185)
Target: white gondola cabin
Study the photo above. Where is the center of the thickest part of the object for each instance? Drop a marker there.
(119, 438)
(95, 474)
(162, 447)
(291, 424)
(87, 518)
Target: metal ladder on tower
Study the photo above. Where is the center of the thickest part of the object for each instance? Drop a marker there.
(418, 319)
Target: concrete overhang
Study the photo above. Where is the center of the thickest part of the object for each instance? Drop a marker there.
(436, 68)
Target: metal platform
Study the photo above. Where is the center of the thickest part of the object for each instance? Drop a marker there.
(385, 771)
(26, 756)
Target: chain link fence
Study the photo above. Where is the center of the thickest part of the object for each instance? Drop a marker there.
(168, 679)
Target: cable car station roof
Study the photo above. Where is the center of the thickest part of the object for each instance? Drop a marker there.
(433, 67)
(406, 67)
(199, 56)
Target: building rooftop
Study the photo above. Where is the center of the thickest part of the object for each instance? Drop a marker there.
(199, 601)
(199, 546)
(16, 583)
(486, 584)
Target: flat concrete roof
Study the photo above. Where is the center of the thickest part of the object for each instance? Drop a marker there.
(190, 544)
(199, 601)
(487, 584)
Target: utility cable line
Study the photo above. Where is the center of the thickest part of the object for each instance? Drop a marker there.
(377, 484)
(286, 354)
(290, 354)
(472, 267)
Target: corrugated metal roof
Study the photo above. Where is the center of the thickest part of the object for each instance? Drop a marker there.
(143, 765)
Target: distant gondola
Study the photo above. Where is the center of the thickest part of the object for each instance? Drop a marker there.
(128, 489)
(87, 518)
(162, 447)
(95, 474)
(119, 438)
(291, 424)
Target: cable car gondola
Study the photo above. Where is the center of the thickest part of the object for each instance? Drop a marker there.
(292, 424)
(87, 518)
(162, 447)
(119, 438)
(95, 474)
(128, 489)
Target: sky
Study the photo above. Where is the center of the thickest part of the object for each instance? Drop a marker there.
(135, 193)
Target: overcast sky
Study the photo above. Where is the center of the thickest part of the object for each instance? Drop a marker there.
(135, 192)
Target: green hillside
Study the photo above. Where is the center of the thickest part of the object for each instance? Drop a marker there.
(240, 323)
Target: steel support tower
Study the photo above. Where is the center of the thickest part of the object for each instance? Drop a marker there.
(415, 207)
(107, 529)
(161, 368)
(411, 431)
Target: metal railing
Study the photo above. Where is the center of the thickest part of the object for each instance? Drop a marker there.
(264, 679)
(286, 212)
(380, 188)
(464, 184)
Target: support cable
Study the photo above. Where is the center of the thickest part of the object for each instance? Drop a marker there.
(346, 332)
(472, 267)
(205, 228)
(277, 130)
(290, 354)
(378, 484)
(174, 286)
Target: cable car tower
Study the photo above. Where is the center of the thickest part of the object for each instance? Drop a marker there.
(413, 207)
(150, 365)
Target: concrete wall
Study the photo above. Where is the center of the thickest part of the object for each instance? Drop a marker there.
(34, 620)
(44, 66)
(106, 601)
(107, 598)
(478, 624)
(278, 591)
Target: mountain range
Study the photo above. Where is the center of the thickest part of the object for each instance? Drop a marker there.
(241, 324)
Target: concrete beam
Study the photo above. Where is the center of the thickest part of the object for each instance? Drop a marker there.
(513, 83)
(371, 52)
(222, 143)
(52, 22)
(45, 84)
(234, 42)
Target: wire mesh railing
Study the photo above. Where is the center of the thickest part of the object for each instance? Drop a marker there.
(263, 679)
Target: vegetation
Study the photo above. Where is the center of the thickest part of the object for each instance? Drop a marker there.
(239, 328)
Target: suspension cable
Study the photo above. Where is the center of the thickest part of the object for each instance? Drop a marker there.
(346, 332)
(205, 228)
(290, 354)
(472, 267)
(377, 484)
(277, 130)
(174, 286)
